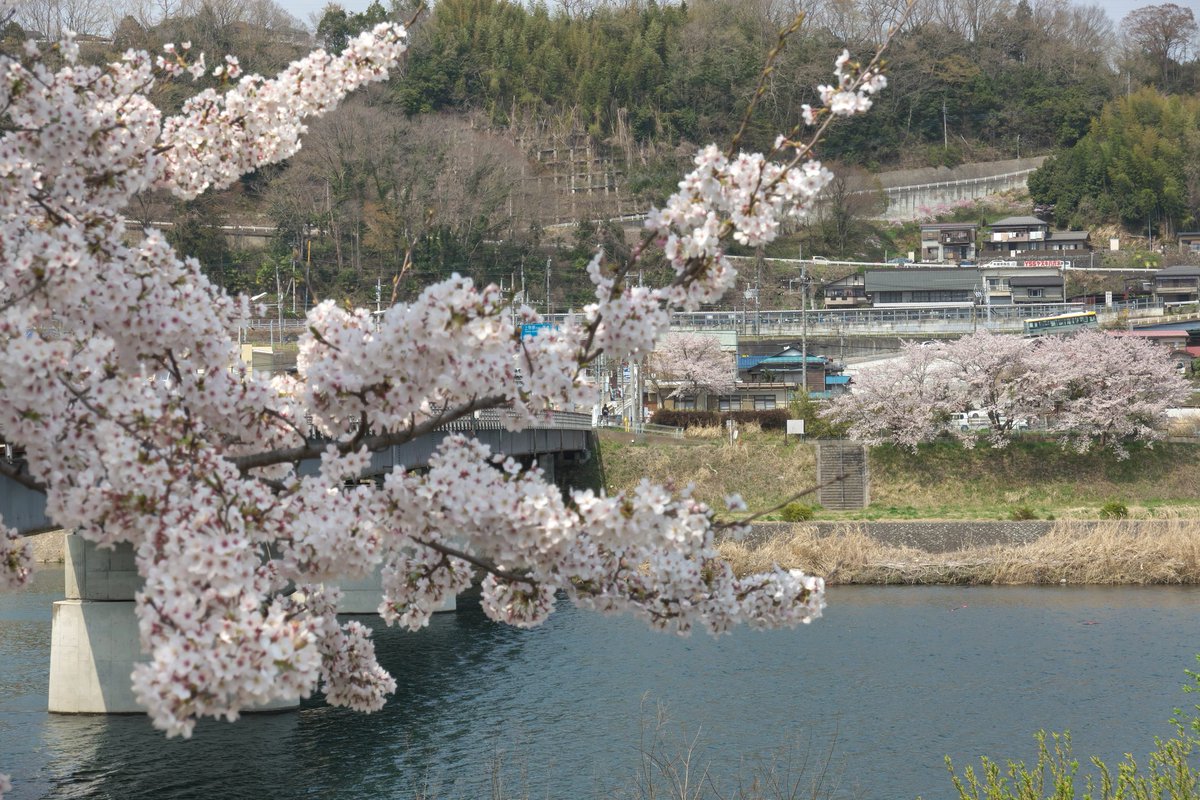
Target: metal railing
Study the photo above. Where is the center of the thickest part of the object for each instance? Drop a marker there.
(496, 419)
(916, 187)
(617, 424)
(883, 320)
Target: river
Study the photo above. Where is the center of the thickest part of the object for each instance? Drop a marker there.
(874, 695)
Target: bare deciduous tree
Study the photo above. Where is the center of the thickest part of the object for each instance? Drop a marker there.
(52, 18)
(1164, 34)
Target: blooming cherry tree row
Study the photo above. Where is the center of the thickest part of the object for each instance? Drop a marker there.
(121, 380)
(1088, 388)
(687, 364)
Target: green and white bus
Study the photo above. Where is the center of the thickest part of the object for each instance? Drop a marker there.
(1060, 323)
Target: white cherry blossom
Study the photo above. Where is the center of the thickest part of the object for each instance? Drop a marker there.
(121, 379)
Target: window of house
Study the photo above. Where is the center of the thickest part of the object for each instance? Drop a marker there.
(764, 402)
(729, 403)
(1035, 292)
(891, 297)
(939, 296)
(685, 403)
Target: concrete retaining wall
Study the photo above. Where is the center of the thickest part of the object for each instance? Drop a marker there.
(48, 547)
(943, 537)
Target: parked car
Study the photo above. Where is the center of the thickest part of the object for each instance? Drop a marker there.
(900, 261)
(976, 420)
(969, 421)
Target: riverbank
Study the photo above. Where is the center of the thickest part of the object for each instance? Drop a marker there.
(1028, 479)
(1126, 552)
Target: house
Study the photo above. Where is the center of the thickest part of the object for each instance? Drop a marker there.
(1189, 242)
(1037, 288)
(1013, 236)
(945, 286)
(1023, 285)
(787, 366)
(949, 286)
(847, 292)
(1178, 284)
(767, 382)
(1182, 343)
(948, 241)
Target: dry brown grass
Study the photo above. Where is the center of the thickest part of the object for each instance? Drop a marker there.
(1164, 551)
(761, 475)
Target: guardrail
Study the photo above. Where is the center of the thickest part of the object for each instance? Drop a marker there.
(917, 187)
(640, 427)
(494, 419)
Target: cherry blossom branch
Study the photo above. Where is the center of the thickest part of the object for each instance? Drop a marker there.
(759, 90)
(482, 563)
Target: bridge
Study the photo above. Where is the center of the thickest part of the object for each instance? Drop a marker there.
(94, 636)
(954, 319)
(560, 436)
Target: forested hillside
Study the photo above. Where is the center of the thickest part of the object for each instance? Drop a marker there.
(969, 79)
(1139, 165)
(512, 116)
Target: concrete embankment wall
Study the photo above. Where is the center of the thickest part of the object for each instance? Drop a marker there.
(922, 194)
(47, 547)
(942, 537)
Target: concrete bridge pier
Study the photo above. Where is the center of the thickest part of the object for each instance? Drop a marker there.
(546, 462)
(94, 639)
(362, 595)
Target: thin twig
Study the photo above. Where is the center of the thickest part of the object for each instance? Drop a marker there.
(721, 526)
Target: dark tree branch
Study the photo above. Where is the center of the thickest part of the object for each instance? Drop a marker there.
(372, 443)
(483, 564)
(13, 472)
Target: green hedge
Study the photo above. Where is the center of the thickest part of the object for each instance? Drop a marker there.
(772, 420)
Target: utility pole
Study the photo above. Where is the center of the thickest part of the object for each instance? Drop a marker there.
(757, 289)
(279, 299)
(804, 331)
(547, 286)
(945, 127)
(307, 272)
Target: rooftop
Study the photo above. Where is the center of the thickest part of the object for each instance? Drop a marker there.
(1178, 271)
(1019, 222)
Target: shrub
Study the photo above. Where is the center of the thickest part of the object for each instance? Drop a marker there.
(1022, 514)
(1114, 509)
(687, 419)
(797, 512)
(768, 420)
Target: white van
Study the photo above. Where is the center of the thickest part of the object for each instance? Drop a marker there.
(969, 421)
(976, 420)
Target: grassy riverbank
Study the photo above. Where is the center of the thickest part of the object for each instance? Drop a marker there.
(1027, 479)
(1115, 552)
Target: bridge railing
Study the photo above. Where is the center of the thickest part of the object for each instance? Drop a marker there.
(495, 419)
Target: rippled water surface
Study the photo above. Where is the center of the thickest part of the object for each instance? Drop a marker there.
(899, 677)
